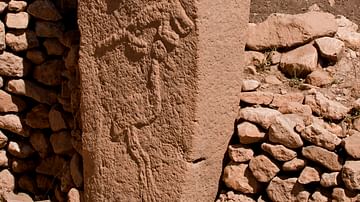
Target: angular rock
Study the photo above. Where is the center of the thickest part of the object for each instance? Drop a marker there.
(350, 38)
(12, 65)
(70, 38)
(7, 182)
(73, 195)
(12, 197)
(321, 137)
(263, 168)
(350, 175)
(257, 98)
(309, 175)
(44, 10)
(351, 145)
(295, 108)
(2, 35)
(272, 79)
(328, 159)
(76, 170)
(282, 130)
(240, 153)
(52, 165)
(279, 152)
(23, 165)
(12, 123)
(20, 149)
(330, 48)
(17, 6)
(249, 85)
(53, 47)
(239, 178)
(231, 196)
(262, 116)
(319, 78)
(49, 29)
(317, 196)
(3, 140)
(344, 23)
(17, 20)
(343, 195)
(330, 179)
(49, 72)
(36, 56)
(19, 40)
(285, 31)
(9, 103)
(294, 165)
(41, 143)
(38, 117)
(286, 189)
(326, 108)
(283, 100)
(4, 161)
(300, 62)
(249, 133)
(60, 143)
(254, 58)
(32, 90)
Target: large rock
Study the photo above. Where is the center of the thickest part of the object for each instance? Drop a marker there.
(12, 65)
(286, 189)
(330, 48)
(10, 103)
(284, 30)
(164, 82)
(44, 10)
(351, 145)
(321, 137)
(239, 177)
(328, 159)
(249, 133)
(350, 175)
(262, 116)
(263, 168)
(294, 165)
(300, 62)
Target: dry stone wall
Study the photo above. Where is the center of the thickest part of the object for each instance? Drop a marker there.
(297, 138)
(40, 135)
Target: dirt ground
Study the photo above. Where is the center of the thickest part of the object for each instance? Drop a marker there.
(260, 9)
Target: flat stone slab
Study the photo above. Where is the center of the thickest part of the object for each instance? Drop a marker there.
(156, 76)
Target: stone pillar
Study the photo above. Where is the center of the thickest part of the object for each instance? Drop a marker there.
(160, 83)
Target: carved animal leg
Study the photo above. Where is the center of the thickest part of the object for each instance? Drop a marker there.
(137, 44)
(183, 24)
(167, 34)
(148, 190)
(155, 87)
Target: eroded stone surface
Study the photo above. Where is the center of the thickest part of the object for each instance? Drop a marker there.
(309, 175)
(286, 189)
(350, 175)
(12, 65)
(330, 48)
(328, 159)
(351, 145)
(249, 133)
(279, 152)
(240, 153)
(44, 9)
(262, 116)
(239, 178)
(263, 168)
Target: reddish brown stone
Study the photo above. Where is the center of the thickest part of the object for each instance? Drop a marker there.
(328, 159)
(279, 152)
(257, 98)
(286, 189)
(294, 165)
(45, 10)
(61, 143)
(20, 149)
(309, 175)
(38, 117)
(49, 72)
(51, 166)
(40, 143)
(249, 133)
(240, 153)
(263, 168)
(10, 103)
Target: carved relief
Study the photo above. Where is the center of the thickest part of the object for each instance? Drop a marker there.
(172, 23)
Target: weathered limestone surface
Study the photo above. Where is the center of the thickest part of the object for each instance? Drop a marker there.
(159, 96)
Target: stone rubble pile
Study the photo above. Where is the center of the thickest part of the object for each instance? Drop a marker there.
(293, 146)
(40, 134)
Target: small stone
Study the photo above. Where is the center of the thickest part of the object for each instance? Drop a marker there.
(4, 161)
(263, 168)
(319, 78)
(240, 153)
(17, 20)
(36, 56)
(257, 98)
(32, 90)
(7, 181)
(239, 178)
(12, 65)
(56, 119)
(330, 179)
(340, 194)
(321, 137)
(351, 145)
(249, 133)
(328, 159)
(44, 10)
(54, 47)
(60, 143)
(52, 165)
(20, 149)
(17, 6)
(19, 40)
(49, 72)
(326, 108)
(254, 58)
(283, 100)
(286, 189)
(249, 85)
(309, 175)
(295, 108)
(73, 195)
(38, 117)
(330, 48)
(76, 170)
(2, 35)
(49, 29)
(27, 183)
(12, 123)
(262, 116)
(279, 152)
(40, 143)
(294, 165)
(282, 130)
(9, 103)
(23, 165)
(3, 6)
(351, 175)
(272, 79)
(3, 140)
(300, 62)
(317, 196)
(12, 197)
